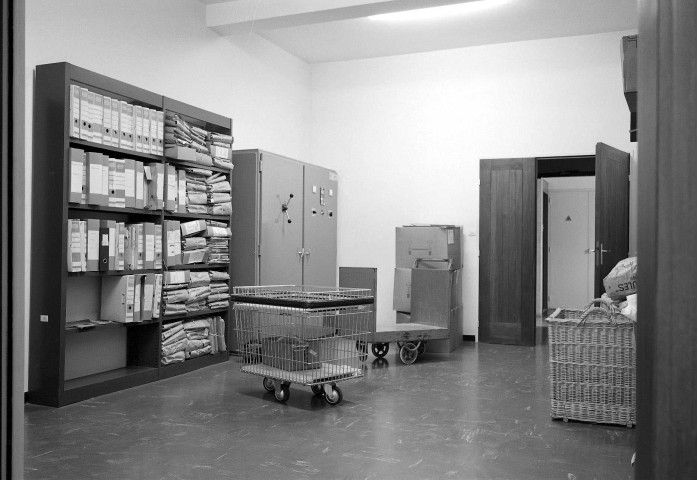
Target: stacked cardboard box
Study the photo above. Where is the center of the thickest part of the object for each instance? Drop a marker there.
(428, 280)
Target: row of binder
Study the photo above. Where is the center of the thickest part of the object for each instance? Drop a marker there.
(107, 245)
(97, 179)
(109, 121)
(131, 298)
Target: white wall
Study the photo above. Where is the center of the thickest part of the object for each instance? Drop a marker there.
(406, 135)
(164, 46)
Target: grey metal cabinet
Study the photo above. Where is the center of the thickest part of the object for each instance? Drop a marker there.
(284, 221)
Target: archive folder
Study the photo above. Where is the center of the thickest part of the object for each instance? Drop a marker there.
(97, 116)
(172, 189)
(137, 296)
(77, 165)
(107, 245)
(114, 122)
(140, 185)
(75, 111)
(96, 166)
(85, 121)
(149, 236)
(117, 298)
(157, 296)
(106, 121)
(93, 226)
(156, 188)
(158, 246)
(174, 246)
(130, 182)
(147, 290)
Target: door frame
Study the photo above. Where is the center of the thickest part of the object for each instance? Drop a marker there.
(555, 166)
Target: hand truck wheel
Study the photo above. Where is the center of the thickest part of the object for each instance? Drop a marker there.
(408, 353)
(317, 390)
(421, 348)
(283, 394)
(268, 385)
(380, 349)
(335, 397)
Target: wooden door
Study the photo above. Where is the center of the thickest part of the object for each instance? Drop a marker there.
(611, 211)
(507, 251)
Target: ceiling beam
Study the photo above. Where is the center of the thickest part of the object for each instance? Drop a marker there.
(242, 16)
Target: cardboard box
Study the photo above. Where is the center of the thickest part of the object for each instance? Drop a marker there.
(181, 153)
(428, 242)
(401, 300)
(454, 339)
(291, 354)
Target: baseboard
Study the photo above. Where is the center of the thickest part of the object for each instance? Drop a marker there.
(469, 338)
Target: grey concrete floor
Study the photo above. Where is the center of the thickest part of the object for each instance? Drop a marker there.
(481, 412)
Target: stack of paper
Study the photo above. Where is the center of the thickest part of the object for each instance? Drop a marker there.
(183, 340)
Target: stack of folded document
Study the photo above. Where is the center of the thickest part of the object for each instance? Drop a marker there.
(174, 343)
(218, 236)
(218, 194)
(175, 293)
(208, 148)
(220, 148)
(198, 336)
(187, 339)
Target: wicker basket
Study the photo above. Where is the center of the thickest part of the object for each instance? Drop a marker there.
(592, 365)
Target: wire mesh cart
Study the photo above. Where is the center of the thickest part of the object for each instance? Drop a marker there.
(300, 334)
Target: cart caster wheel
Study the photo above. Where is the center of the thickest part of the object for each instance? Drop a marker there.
(268, 385)
(408, 353)
(380, 349)
(317, 390)
(362, 348)
(335, 397)
(421, 348)
(283, 394)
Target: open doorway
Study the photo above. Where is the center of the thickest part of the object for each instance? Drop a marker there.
(566, 236)
(508, 243)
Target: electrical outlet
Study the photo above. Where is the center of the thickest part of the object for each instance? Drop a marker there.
(44, 318)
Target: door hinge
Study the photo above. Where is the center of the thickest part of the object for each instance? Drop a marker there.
(261, 164)
(479, 182)
(259, 250)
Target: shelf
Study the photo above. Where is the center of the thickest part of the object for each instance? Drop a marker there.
(100, 147)
(73, 330)
(112, 273)
(201, 313)
(199, 266)
(197, 216)
(174, 369)
(124, 211)
(102, 383)
(115, 355)
(185, 163)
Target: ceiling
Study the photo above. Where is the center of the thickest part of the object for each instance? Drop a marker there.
(335, 30)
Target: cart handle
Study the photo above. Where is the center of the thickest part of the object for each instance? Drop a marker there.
(448, 260)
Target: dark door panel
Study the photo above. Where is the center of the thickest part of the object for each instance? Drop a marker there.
(507, 262)
(611, 211)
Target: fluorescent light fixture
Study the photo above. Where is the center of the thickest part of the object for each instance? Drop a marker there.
(439, 12)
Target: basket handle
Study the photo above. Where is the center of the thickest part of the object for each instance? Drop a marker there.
(599, 305)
